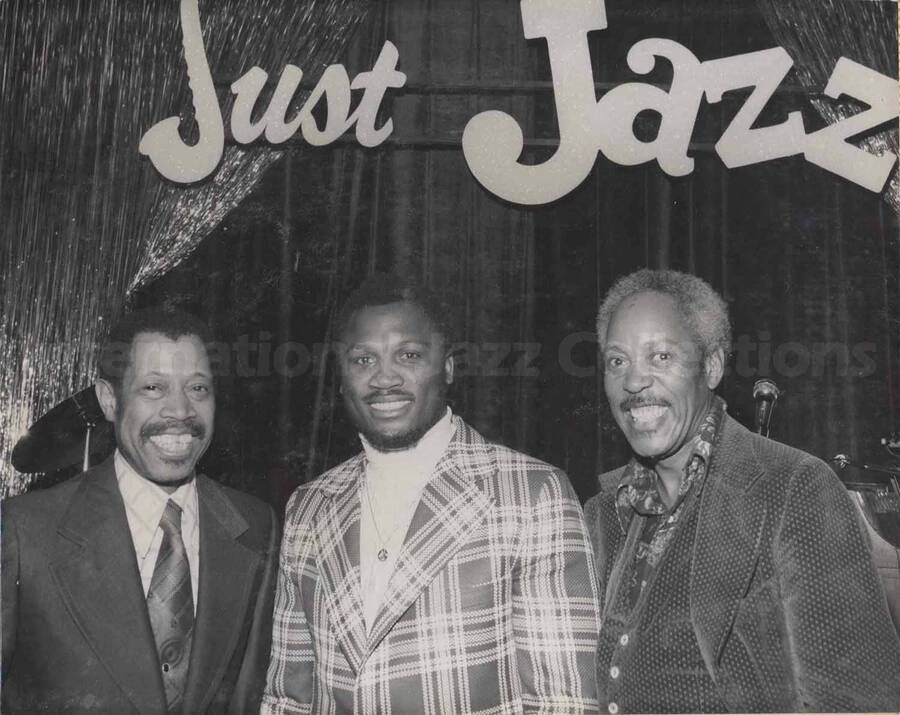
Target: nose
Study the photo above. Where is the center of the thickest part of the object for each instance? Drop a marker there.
(177, 406)
(385, 376)
(637, 378)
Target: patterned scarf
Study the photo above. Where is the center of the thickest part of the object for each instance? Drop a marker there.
(639, 491)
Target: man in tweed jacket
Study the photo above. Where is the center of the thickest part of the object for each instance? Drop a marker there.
(484, 603)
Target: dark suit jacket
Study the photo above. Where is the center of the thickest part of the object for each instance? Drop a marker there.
(785, 603)
(76, 633)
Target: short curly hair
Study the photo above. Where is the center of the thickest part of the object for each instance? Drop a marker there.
(386, 288)
(705, 311)
(115, 353)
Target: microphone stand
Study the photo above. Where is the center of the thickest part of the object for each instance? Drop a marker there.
(90, 424)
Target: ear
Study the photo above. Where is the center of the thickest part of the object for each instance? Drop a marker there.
(448, 369)
(714, 366)
(106, 396)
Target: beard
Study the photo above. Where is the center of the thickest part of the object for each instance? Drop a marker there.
(402, 440)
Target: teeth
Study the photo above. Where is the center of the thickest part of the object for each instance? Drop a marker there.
(388, 406)
(647, 413)
(173, 443)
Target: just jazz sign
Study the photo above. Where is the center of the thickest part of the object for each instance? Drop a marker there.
(492, 141)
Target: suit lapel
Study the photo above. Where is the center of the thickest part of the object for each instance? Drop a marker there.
(96, 570)
(452, 504)
(727, 543)
(227, 572)
(337, 532)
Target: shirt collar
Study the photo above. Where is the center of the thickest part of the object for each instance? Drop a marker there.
(638, 490)
(415, 463)
(146, 501)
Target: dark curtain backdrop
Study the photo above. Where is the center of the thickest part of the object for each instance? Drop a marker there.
(808, 262)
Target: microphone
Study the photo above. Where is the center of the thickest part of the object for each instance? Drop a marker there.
(765, 392)
(841, 461)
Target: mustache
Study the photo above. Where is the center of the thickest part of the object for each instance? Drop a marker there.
(388, 393)
(191, 425)
(629, 403)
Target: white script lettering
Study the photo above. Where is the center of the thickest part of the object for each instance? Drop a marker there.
(493, 141)
(184, 163)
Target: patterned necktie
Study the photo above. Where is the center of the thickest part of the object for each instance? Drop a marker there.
(171, 607)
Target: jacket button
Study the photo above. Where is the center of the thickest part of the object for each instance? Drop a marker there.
(623, 639)
(613, 708)
(614, 672)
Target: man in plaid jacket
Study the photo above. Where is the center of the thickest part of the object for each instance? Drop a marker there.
(435, 572)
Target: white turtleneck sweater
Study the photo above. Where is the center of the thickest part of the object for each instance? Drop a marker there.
(389, 494)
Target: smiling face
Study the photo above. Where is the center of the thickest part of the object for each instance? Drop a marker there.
(164, 407)
(658, 384)
(394, 374)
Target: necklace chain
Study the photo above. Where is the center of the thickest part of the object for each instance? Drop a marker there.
(382, 540)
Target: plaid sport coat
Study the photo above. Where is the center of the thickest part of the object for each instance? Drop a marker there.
(492, 607)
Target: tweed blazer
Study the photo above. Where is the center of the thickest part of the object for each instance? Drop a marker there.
(785, 604)
(492, 607)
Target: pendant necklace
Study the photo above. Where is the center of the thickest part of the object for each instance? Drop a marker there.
(383, 541)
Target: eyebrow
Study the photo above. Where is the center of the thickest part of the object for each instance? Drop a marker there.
(368, 345)
(648, 341)
(157, 373)
(426, 343)
(651, 344)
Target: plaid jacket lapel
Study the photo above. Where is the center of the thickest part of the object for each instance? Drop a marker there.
(337, 532)
(451, 506)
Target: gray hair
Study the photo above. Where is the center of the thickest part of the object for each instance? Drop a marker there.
(704, 311)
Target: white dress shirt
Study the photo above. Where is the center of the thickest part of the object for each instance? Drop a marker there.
(389, 494)
(145, 503)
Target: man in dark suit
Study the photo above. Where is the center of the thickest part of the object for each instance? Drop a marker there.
(139, 586)
(734, 571)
